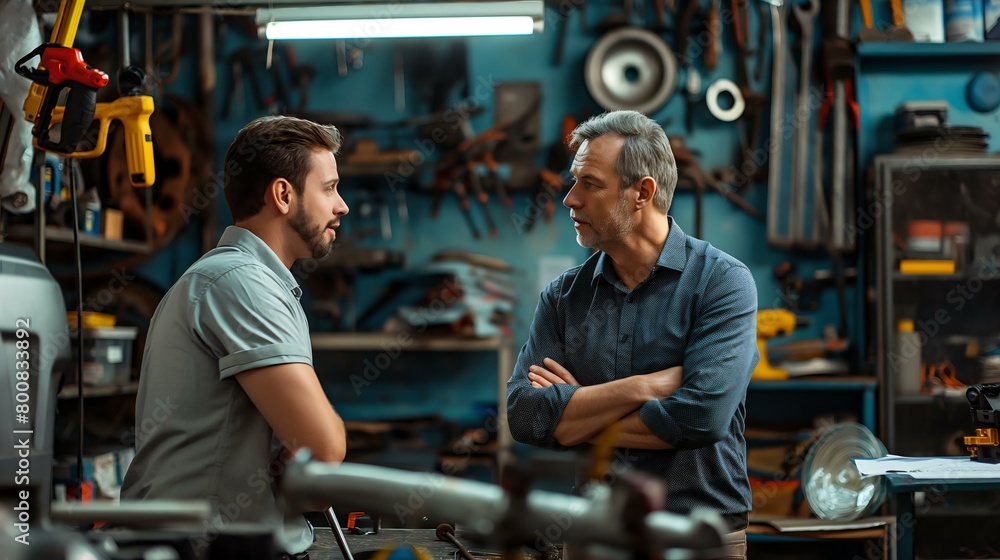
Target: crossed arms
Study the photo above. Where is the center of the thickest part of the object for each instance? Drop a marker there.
(591, 409)
(688, 406)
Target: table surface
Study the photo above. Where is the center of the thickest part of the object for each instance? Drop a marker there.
(325, 547)
(901, 482)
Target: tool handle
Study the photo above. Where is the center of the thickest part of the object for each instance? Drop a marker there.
(446, 532)
(501, 188)
(491, 226)
(139, 146)
(683, 26)
(734, 7)
(81, 102)
(463, 203)
(866, 13)
(477, 186)
(483, 199)
(897, 13)
(557, 56)
(661, 14)
(712, 48)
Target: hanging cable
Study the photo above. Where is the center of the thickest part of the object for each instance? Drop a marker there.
(71, 164)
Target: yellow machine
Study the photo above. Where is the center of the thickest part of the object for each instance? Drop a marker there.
(772, 323)
(62, 67)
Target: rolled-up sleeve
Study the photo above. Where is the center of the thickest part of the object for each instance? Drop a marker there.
(718, 362)
(532, 413)
(246, 324)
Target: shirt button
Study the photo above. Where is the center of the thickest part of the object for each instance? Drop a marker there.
(624, 338)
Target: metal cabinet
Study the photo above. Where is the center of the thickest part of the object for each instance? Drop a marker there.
(937, 267)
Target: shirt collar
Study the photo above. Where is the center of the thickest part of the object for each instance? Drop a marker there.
(244, 239)
(673, 255)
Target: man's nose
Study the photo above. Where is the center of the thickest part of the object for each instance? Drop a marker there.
(571, 200)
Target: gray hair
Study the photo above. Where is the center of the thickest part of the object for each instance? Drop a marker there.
(646, 151)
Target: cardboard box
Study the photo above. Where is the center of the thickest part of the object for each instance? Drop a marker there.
(114, 223)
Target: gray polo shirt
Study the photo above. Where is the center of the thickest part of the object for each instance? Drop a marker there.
(198, 435)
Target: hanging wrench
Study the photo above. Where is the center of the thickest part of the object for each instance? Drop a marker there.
(806, 16)
(840, 181)
(774, 166)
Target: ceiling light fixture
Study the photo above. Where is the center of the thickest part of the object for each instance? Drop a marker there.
(370, 21)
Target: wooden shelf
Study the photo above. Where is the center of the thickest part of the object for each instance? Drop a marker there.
(816, 383)
(406, 342)
(926, 399)
(70, 392)
(980, 512)
(65, 235)
(906, 50)
(958, 276)
(382, 341)
(793, 528)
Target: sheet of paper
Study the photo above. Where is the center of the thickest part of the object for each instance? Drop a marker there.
(928, 467)
(804, 525)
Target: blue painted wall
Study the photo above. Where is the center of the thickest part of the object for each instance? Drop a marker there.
(510, 59)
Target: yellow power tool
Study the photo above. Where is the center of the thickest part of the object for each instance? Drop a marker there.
(63, 67)
(772, 323)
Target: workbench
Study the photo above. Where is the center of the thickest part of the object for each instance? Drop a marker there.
(901, 489)
(877, 532)
(325, 547)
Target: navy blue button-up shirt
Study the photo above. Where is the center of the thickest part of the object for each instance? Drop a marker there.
(696, 309)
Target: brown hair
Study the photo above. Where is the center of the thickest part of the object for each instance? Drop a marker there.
(267, 149)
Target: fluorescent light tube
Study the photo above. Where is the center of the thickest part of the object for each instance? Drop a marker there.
(420, 27)
(369, 21)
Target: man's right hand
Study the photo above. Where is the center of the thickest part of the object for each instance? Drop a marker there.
(555, 374)
(661, 384)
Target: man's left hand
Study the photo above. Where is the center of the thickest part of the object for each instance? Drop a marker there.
(551, 374)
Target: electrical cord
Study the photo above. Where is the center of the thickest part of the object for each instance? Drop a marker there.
(79, 322)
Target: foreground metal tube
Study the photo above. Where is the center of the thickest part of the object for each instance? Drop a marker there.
(150, 512)
(490, 515)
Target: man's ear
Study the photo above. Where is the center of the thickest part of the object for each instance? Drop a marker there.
(646, 190)
(279, 195)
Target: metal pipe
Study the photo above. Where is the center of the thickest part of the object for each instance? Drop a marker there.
(147, 512)
(338, 533)
(491, 515)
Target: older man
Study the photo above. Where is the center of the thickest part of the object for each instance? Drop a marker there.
(655, 330)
